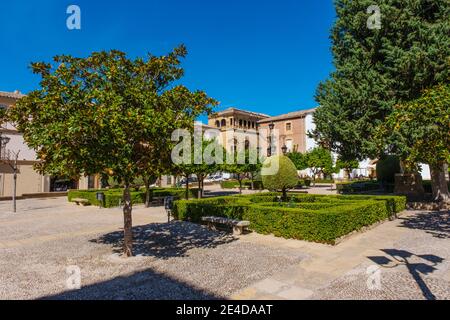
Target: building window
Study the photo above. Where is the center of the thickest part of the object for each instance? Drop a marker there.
(240, 123)
(288, 126)
(231, 122)
(224, 123)
(253, 124)
(218, 124)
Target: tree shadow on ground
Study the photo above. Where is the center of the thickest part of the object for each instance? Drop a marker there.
(427, 266)
(143, 285)
(435, 223)
(167, 240)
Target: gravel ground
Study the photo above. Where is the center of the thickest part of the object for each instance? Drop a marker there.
(173, 261)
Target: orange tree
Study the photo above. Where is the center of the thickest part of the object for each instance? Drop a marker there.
(108, 113)
(420, 132)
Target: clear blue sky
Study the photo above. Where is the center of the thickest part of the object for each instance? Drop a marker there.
(265, 56)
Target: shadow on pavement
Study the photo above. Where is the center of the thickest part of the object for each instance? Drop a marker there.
(167, 240)
(397, 257)
(143, 285)
(435, 223)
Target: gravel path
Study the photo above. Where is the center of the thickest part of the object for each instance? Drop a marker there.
(173, 261)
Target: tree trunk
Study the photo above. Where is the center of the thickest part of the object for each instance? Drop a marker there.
(284, 194)
(203, 187)
(200, 179)
(128, 223)
(240, 184)
(175, 181)
(187, 187)
(148, 195)
(439, 184)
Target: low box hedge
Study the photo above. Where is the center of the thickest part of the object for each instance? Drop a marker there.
(113, 197)
(317, 218)
(234, 184)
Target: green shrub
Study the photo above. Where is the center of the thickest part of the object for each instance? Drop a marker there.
(234, 184)
(318, 218)
(387, 168)
(279, 174)
(113, 197)
(357, 187)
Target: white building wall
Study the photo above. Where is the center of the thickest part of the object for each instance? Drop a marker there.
(310, 126)
(17, 144)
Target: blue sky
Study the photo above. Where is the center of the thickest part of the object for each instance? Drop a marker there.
(264, 56)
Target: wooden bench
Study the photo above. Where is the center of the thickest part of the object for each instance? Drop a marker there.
(80, 201)
(238, 226)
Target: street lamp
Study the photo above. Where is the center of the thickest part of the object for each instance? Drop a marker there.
(269, 149)
(3, 142)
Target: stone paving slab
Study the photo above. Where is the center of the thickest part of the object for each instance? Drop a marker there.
(413, 254)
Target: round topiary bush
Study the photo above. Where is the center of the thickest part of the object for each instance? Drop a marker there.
(387, 167)
(278, 173)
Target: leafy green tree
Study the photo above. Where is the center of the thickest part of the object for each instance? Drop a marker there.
(279, 174)
(211, 156)
(320, 160)
(201, 160)
(346, 164)
(300, 160)
(254, 165)
(107, 113)
(376, 69)
(240, 165)
(422, 134)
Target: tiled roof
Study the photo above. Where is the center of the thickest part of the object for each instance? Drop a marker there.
(229, 110)
(290, 115)
(12, 95)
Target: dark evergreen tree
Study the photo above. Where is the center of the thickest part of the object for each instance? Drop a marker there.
(379, 68)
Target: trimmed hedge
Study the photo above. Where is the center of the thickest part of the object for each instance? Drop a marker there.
(317, 218)
(234, 184)
(113, 197)
(357, 187)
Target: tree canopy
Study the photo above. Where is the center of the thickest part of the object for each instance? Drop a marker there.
(279, 174)
(421, 129)
(377, 69)
(107, 113)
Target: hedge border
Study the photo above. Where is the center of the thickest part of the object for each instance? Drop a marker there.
(317, 218)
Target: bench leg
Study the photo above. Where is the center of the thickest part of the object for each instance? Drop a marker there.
(238, 231)
(211, 226)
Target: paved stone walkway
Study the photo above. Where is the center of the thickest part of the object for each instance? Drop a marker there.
(408, 258)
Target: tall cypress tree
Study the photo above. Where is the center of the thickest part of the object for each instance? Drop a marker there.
(375, 69)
